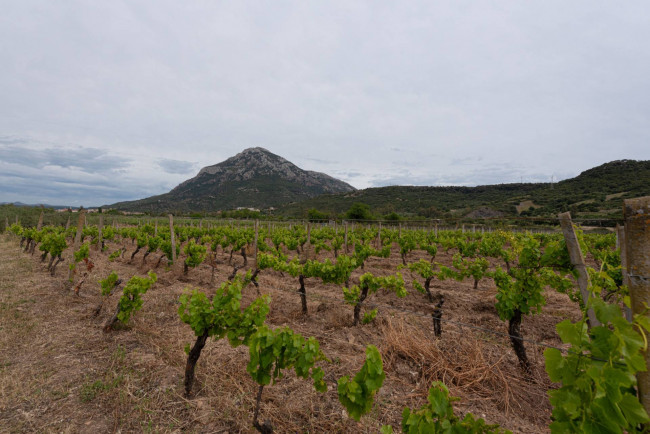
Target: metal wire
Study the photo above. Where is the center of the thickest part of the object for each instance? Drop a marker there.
(636, 276)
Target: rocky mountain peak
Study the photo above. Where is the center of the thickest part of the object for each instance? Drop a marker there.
(254, 177)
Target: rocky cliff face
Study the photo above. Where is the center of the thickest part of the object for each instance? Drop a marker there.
(253, 178)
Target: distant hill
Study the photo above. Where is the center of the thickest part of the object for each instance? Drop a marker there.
(37, 205)
(254, 178)
(257, 178)
(596, 192)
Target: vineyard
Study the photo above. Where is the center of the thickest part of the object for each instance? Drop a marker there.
(286, 327)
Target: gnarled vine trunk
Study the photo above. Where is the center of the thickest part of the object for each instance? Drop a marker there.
(303, 294)
(514, 326)
(266, 427)
(192, 358)
(243, 255)
(357, 307)
(427, 284)
(437, 316)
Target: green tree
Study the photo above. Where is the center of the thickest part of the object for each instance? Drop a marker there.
(359, 211)
(315, 215)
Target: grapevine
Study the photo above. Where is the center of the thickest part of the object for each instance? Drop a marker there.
(357, 394)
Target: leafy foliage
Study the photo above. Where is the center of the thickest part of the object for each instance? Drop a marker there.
(54, 244)
(438, 416)
(108, 284)
(131, 299)
(166, 247)
(358, 394)
(369, 284)
(597, 375)
(271, 351)
(222, 316)
(116, 254)
(82, 253)
(195, 254)
(359, 211)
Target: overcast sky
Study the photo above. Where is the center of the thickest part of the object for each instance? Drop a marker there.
(118, 100)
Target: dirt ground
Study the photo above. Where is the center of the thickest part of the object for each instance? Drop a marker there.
(59, 372)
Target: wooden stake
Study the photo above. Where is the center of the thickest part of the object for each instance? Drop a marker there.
(578, 262)
(100, 228)
(39, 226)
(620, 244)
(636, 213)
(308, 234)
(257, 224)
(77, 238)
(379, 237)
(173, 237)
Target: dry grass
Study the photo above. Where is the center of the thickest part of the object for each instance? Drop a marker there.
(60, 373)
(482, 377)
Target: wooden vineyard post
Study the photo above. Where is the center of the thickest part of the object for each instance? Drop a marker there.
(620, 244)
(39, 226)
(400, 230)
(345, 237)
(379, 237)
(173, 237)
(578, 262)
(155, 228)
(77, 239)
(308, 235)
(636, 244)
(257, 225)
(6, 223)
(100, 228)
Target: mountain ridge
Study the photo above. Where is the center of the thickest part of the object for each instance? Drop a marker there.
(591, 193)
(257, 178)
(254, 178)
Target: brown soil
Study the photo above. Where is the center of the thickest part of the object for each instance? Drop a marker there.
(60, 373)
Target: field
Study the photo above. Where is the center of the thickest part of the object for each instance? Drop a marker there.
(60, 372)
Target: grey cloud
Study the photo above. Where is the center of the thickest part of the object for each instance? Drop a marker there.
(515, 84)
(346, 174)
(176, 166)
(8, 140)
(90, 160)
(319, 160)
(58, 190)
